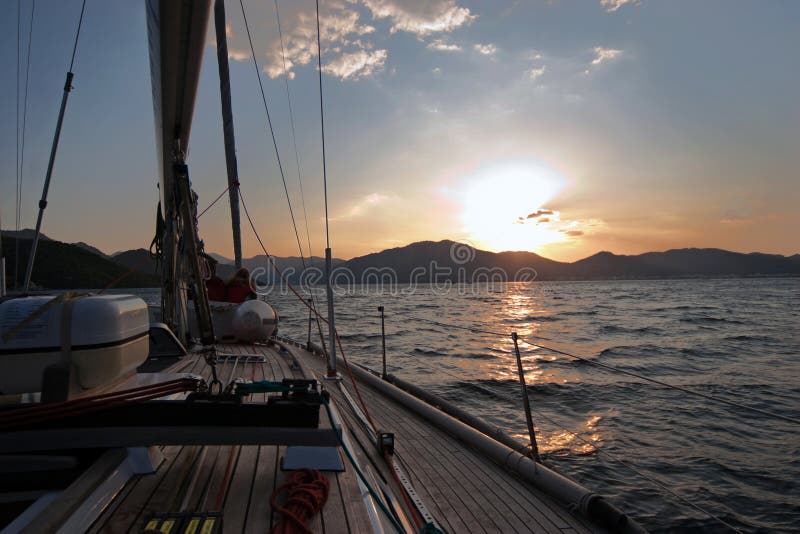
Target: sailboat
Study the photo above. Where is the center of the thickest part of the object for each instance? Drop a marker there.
(206, 420)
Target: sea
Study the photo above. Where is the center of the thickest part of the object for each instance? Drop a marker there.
(673, 460)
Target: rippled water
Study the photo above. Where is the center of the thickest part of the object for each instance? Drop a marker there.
(737, 339)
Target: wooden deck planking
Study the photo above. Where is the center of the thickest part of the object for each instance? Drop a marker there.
(462, 463)
(464, 491)
(259, 513)
(471, 479)
(514, 504)
(537, 506)
(432, 488)
(239, 492)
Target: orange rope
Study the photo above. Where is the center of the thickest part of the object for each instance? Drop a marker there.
(44, 412)
(306, 493)
(223, 490)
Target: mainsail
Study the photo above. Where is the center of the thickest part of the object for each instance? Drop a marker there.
(176, 36)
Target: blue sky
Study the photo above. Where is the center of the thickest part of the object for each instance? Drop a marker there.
(625, 125)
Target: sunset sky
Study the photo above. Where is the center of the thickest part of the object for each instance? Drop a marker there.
(560, 127)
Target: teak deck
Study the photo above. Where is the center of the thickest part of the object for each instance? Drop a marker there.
(462, 490)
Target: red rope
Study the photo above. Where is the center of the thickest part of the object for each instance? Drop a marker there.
(216, 200)
(306, 493)
(45, 412)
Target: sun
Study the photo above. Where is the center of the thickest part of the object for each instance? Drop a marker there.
(496, 200)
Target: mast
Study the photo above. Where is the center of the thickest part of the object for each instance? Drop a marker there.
(176, 38)
(227, 127)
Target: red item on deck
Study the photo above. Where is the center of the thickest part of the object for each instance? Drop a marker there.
(237, 292)
(216, 289)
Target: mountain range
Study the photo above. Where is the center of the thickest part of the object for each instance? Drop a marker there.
(80, 265)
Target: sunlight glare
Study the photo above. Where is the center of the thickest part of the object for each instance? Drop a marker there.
(495, 201)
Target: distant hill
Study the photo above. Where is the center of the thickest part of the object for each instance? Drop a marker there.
(66, 266)
(138, 259)
(685, 262)
(90, 248)
(62, 265)
(429, 261)
(430, 258)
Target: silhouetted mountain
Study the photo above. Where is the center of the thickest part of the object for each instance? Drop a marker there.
(220, 258)
(138, 259)
(62, 265)
(428, 261)
(90, 248)
(685, 262)
(65, 266)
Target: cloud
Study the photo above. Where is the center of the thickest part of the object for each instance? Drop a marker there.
(539, 213)
(363, 205)
(602, 55)
(536, 72)
(486, 49)
(356, 64)
(421, 17)
(574, 233)
(341, 33)
(613, 5)
(441, 45)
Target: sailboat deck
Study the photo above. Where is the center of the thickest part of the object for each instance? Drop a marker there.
(463, 491)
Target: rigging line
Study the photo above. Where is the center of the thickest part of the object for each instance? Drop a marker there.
(22, 142)
(322, 130)
(215, 201)
(77, 35)
(668, 385)
(271, 130)
(297, 162)
(311, 307)
(580, 438)
(294, 137)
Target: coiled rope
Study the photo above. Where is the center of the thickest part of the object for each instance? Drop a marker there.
(306, 492)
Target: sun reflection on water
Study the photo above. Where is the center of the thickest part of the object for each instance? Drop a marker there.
(581, 441)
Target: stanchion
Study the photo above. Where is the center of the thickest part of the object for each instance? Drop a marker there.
(525, 400)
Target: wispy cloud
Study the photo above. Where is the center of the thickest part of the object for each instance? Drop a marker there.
(613, 5)
(363, 205)
(539, 213)
(356, 64)
(441, 45)
(537, 72)
(602, 55)
(342, 35)
(421, 17)
(487, 49)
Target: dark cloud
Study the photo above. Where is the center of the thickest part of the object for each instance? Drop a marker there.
(543, 220)
(574, 233)
(539, 213)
